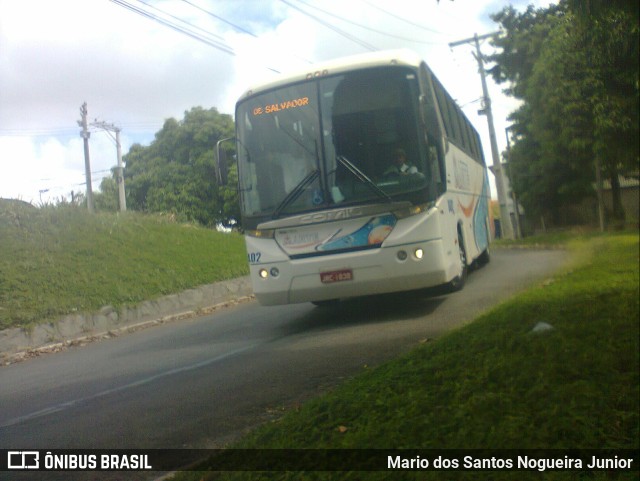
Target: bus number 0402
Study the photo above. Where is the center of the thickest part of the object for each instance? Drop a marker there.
(254, 257)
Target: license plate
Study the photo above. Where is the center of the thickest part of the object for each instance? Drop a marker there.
(336, 276)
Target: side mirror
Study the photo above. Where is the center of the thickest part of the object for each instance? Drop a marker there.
(221, 162)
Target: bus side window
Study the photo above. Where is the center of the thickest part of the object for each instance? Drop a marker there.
(434, 159)
(433, 134)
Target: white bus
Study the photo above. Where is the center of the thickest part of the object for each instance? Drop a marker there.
(330, 210)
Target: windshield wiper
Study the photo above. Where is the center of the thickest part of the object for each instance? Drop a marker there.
(296, 192)
(362, 177)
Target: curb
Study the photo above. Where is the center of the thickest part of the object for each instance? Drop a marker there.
(17, 344)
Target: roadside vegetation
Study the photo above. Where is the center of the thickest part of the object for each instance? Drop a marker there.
(59, 260)
(495, 383)
(573, 67)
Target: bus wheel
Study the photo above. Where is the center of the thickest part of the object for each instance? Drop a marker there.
(484, 258)
(457, 283)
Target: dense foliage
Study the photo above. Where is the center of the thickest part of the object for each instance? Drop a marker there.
(176, 173)
(574, 66)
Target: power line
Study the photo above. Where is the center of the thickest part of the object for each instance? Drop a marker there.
(142, 126)
(65, 184)
(479, 99)
(391, 14)
(58, 132)
(347, 35)
(172, 25)
(237, 27)
(185, 31)
(56, 179)
(371, 29)
(233, 25)
(206, 32)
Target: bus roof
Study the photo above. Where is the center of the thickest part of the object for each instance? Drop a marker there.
(339, 65)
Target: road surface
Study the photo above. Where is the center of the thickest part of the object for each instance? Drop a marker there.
(202, 382)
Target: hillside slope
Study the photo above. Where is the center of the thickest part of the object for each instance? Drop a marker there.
(59, 260)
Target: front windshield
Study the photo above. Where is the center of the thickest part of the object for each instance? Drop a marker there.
(278, 148)
(341, 140)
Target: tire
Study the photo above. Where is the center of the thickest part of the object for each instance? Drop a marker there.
(484, 258)
(457, 283)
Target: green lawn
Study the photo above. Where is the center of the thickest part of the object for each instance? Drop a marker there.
(59, 260)
(495, 383)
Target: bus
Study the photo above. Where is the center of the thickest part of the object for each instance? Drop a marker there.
(359, 176)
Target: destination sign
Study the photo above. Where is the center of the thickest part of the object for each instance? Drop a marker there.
(287, 104)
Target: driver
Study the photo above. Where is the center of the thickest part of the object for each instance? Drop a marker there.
(400, 165)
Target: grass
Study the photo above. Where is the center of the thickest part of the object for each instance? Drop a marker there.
(59, 260)
(494, 383)
(554, 239)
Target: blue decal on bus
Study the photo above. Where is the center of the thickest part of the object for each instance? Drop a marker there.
(372, 233)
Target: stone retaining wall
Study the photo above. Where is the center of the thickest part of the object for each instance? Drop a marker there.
(108, 319)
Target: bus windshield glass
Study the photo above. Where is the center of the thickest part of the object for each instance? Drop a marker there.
(331, 141)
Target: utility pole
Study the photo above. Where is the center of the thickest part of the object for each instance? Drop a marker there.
(518, 229)
(120, 170)
(505, 220)
(85, 134)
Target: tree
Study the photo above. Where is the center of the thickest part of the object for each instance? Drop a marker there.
(538, 168)
(107, 198)
(520, 47)
(576, 72)
(609, 31)
(230, 195)
(176, 173)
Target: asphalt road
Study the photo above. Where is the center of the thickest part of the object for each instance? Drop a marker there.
(202, 382)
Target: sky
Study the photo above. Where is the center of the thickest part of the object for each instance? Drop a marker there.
(135, 72)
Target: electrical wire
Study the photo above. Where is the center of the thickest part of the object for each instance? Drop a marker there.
(233, 25)
(142, 126)
(237, 27)
(479, 99)
(391, 14)
(185, 31)
(172, 25)
(58, 132)
(365, 27)
(347, 35)
(206, 32)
